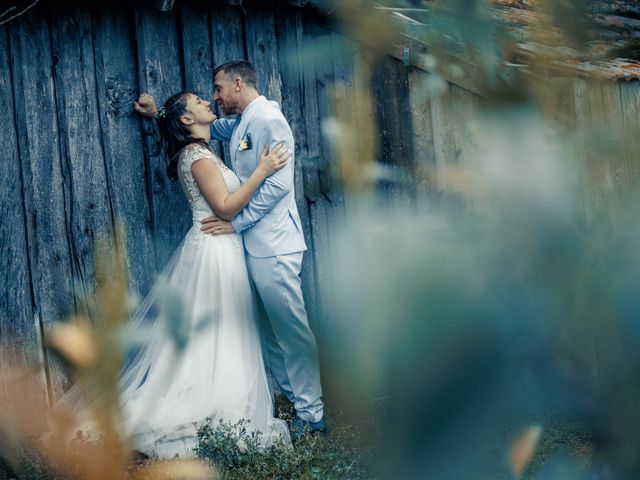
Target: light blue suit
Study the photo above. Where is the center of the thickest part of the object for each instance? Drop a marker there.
(274, 243)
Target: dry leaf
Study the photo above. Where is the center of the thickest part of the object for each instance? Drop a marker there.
(74, 340)
(523, 448)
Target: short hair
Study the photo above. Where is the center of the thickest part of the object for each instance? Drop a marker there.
(239, 68)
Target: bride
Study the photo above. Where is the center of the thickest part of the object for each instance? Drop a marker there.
(220, 374)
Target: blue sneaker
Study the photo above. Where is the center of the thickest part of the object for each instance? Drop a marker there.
(299, 428)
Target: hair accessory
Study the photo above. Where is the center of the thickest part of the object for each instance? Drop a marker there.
(162, 112)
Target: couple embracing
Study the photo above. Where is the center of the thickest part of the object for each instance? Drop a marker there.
(246, 230)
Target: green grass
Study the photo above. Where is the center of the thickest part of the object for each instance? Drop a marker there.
(336, 456)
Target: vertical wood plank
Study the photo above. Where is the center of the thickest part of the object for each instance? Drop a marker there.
(159, 73)
(463, 108)
(289, 40)
(196, 52)
(309, 102)
(330, 205)
(262, 49)
(446, 153)
(330, 185)
(89, 203)
(311, 164)
(590, 110)
(630, 106)
(227, 33)
(117, 87)
(343, 59)
(19, 335)
(422, 137)
(390, 88)
(227, 43)
(46, 207)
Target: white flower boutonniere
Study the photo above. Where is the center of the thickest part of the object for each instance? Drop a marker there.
(245, 143)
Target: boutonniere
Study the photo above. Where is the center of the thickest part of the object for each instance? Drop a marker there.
(245, 143)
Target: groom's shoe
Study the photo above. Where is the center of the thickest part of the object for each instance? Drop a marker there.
(299, 428)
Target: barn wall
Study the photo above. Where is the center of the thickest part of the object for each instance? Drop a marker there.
(76, 160)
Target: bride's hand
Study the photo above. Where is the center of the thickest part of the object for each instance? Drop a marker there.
(271, 162)
(146, 106)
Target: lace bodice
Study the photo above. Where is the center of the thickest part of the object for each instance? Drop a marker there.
(199, 206)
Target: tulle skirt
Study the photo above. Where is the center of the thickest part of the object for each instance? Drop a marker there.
(210, 365)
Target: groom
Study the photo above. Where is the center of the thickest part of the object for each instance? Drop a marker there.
(273, 239)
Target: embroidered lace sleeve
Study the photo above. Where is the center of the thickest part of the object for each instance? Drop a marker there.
(188, 157)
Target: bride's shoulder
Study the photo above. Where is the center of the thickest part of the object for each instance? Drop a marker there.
(194, 149)
(194, 152)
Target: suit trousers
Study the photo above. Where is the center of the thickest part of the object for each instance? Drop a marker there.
(289, 346)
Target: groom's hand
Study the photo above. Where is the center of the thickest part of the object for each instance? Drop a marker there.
(216, 226)
(146, 106)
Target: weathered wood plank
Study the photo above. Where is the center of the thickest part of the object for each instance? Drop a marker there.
(162, 5)
(89, 204)
(46, 207)
(363, 121)
(630, 106)
(227, 42)
(313, 38)
(327, 170)
(390, 89)
(331, 204)
(422, 137)
(196, 52)
(443, 141)
(593, 116)
(309, 100)
(464, 106)
(19, 335)
(122, 140)
(227, 33)
(262, 49)
(289, 41)
(160, 74)
(196, 48)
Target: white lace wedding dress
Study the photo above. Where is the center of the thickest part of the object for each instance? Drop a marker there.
(220, 374)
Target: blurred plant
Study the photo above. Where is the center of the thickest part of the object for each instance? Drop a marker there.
(85, 442)
(514, 310)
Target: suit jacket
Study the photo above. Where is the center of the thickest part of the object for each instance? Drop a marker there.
(270, 222)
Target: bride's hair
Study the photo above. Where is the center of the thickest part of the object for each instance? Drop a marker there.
(174, 135)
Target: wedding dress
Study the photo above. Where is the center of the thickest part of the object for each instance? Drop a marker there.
(166, 393)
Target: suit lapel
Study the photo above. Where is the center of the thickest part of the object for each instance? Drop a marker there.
(243, 126)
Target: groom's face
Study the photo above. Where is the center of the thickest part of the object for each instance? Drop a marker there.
(226, 93)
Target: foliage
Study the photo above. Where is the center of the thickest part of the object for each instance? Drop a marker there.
(237, 453)
(513, 310)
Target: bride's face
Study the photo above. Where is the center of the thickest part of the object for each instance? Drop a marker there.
(199, 110)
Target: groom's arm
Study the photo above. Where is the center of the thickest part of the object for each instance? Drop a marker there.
(222, 129)
(276, 186)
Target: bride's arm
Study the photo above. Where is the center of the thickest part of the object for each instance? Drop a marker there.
(211, 183)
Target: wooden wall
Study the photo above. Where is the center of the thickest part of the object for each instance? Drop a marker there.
(76, 159)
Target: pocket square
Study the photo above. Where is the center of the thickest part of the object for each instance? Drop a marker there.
(245, 143)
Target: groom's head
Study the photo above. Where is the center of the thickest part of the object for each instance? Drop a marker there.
(236, 85)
